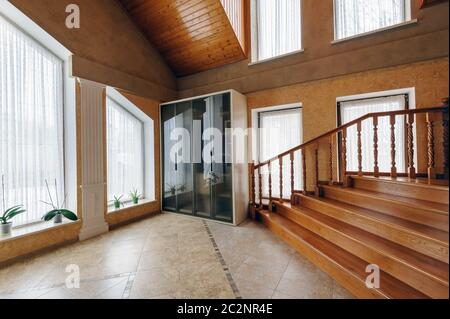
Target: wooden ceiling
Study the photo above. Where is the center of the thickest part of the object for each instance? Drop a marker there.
(192, 35)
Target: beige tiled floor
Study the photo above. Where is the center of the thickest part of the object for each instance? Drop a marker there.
(171, 256)
(263, 266)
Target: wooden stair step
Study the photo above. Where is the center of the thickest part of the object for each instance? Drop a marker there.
(421, 272)
(414, 189)
(427, 213)
(347, 269)
(424, 239)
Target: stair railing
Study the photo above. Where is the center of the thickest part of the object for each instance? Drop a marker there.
(337, 174)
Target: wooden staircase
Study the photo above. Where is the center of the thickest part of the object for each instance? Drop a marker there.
(399, 224)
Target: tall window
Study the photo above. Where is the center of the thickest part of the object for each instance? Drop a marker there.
(353, 110)
(280, 131)
(276, 28)
(31, 121)
(125, 134)
(353, 17)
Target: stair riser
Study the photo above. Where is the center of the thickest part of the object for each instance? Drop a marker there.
(396, 209)
(353, 284)
(417, 279)
(403, 189)
(399, 235)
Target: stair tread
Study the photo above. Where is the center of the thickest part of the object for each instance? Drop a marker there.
(417, 203)
(430, 265)
(390, 286)
(420, 229)
(419, 182)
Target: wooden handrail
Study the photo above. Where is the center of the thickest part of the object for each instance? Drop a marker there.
(349, 124)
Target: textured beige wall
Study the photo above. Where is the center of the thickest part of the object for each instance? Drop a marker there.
(108, 48)
(425, 40)
(430, 80)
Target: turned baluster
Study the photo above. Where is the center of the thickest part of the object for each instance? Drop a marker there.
(431, 158)
(393, 151)
(410, 132)
(253, 181)
(292, 173)
(304, 170)
(281, 178)
(316, 170)
(260, 187)
(359, 129)
(344, 156)
(445, 142)
(270, 180)
(376, 169)
(330, 159)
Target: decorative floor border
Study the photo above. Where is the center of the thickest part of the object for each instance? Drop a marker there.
(230, 279)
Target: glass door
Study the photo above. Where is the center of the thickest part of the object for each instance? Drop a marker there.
(221, 184)
(177, 164)
(202, 167)
(182, 135)
(169, 178)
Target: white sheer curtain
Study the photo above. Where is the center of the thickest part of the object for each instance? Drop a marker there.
(278, 27)
(125, 143)
(31, 122)
(280, 131)
(355, 109)
(354, 17)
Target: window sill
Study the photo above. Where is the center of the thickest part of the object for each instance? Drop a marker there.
(276, 57)
(28, 230)
(366, 34)
(113, 210)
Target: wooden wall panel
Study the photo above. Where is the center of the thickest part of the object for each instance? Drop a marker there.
(192, 35)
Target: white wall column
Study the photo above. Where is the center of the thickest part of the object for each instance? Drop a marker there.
(93, 182)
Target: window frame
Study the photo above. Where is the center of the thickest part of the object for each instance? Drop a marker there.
(144, 170)
(408, 21)
(254, 45)
(30, 29)
(410, 103)
(148, 149)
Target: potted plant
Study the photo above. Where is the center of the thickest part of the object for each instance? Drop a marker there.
(172, 189)
(8, 214)
(212, 179)
(57, 211)
(135, 197)
(118, 202)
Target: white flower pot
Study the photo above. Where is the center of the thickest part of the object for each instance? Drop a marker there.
(58, 219)
(5, 229)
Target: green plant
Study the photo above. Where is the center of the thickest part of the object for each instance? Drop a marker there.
(118, 202)
(172, 189)
(12, 212)
(181, 188)
(135, 196)
(212, 179)
(57, 210)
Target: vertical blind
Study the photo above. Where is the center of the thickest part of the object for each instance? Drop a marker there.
(125, 144)
(31, 122)
(354, 17)
(355, 109)
(280, 131)
(278, 27)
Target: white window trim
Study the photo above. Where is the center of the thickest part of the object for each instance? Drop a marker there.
(254, 37)
(409, 21)
(33, 30)
(149, 152)
(255, 112)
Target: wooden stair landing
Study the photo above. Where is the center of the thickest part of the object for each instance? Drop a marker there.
(384, 222)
